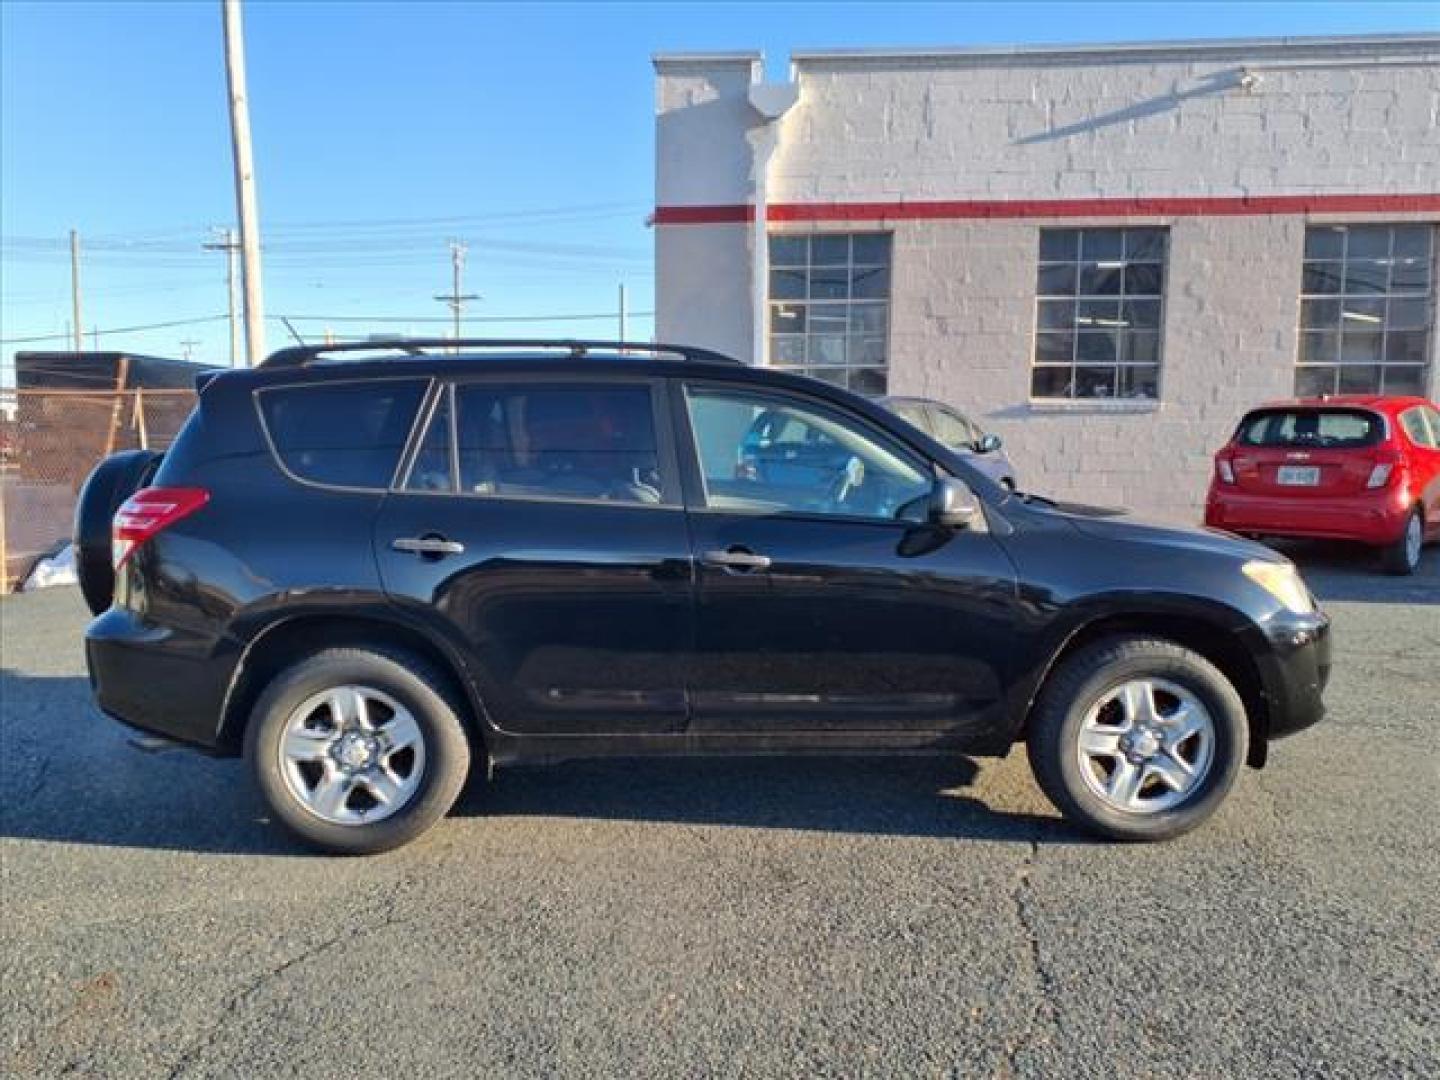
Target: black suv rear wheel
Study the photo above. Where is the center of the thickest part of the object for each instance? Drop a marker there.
(1137, 738)
(358, 751)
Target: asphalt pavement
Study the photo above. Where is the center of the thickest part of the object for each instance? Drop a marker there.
(762, 917)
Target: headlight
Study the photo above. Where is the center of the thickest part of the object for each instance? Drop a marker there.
(1282, 581)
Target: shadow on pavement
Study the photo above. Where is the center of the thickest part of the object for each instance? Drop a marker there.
(74, 776)
(1352, 573)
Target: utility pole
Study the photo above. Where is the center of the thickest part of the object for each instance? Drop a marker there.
(622, 311)
(76, 324)
(229, 243)
(455, 299)
(188, 347)
(245, 202)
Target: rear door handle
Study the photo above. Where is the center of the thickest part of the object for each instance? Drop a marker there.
(432, 546)
(736, 559)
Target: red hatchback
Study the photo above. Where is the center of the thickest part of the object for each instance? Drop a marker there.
(1353, 467)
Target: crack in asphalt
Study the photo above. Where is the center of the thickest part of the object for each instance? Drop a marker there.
(1045, 1012)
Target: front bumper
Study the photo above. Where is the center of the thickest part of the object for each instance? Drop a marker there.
(157, 679)
(1295, 669)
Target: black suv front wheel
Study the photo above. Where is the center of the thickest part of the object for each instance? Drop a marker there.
(1137, 738)
(358, 751)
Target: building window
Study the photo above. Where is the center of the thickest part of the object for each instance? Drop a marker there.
(830, 307)
(1366, 309)
(1099, 305)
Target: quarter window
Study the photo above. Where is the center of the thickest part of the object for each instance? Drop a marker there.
(762, 454)
(344, 434)
(1415, 425)
(830, 308)
(1098, 312)
(1366, 309)
(544, 441)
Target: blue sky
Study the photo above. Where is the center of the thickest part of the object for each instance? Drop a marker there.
(384, 129)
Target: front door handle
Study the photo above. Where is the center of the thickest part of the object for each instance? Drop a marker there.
(431, 546)
(736, 560)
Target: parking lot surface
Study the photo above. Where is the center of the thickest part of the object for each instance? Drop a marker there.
(816, 916)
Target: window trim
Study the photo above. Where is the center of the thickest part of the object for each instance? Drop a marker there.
(692, 474)
(671, 495)
(428, 382)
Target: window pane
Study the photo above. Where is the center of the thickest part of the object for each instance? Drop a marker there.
(1320, 347)
(1144, 245)
(1413, 241)
(1138, 382)
(1360, 347)
(1097, 347)
(830, 250)
(1324, 278)
(1368, 242)
(1314, 381)
(787, 349)
(1324, 242)
(829, 284)
(1059, 245)
(1406, 347)
(867, 350)
(1141, 314)
(1144, 279)
(1319, 314)
(1101, 244)
(1404, 380)
(870, 249)
(1140, 347)
(1098, 314)
(867, 318)
(1409, 314)
(350, 435)
(787, 284)
(1361, 312)
(1410, 275)
(432, 470)
(1094, 382)
(827, 349)
(1050, 382)
(1054, 348)
(787, 318)
(789, 250)
(1359, 378)
(1100, 280)
(1057, 280)
(1056, 314)
(827, 318)
(558, 442)
(762, 453)
(868, 381)
(1366, 276)
(870, 283)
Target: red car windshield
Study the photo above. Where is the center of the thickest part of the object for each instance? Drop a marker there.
(1331, 429)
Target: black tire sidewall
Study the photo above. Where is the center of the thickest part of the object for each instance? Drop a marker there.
(1397, 556)
(1172, 664)
(447, 753)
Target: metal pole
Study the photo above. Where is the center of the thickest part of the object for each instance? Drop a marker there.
(457, 260)
(622, 311)
(76, 324)
(229, 243)
(245, 201)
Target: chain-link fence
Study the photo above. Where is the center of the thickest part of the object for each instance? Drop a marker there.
(54, 440)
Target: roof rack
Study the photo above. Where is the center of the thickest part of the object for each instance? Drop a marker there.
(304, 355)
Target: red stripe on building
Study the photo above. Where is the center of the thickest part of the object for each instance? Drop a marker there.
(970, 209)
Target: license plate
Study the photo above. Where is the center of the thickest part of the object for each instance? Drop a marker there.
(1299, 475)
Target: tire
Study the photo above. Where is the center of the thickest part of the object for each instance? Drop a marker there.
(110, 483)
(393, 684)
(1085, 695)
(1403, 556)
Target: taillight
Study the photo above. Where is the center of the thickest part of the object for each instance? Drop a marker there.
(1225, 470)
(147, 513)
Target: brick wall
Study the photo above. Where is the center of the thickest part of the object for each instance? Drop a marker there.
(1327, 119)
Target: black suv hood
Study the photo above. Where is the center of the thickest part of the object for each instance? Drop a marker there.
(1110, 524)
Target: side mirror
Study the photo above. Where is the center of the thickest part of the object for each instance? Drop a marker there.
(952, 505)
(987, 444)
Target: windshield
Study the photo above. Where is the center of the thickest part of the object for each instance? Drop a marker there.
(1316, 428)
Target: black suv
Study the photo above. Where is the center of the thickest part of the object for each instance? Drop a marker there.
(369, 567)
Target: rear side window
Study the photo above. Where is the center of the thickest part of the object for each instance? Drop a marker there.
(545, 440)
(1337, 429)
(1416, 426)
(345, 434)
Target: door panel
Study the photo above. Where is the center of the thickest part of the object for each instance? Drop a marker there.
(818, 608)
(571, 586)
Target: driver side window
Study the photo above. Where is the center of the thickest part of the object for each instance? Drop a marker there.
(766, 453)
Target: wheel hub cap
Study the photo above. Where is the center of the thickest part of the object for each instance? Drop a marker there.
(355, 751)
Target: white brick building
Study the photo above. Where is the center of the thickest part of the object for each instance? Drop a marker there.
(1105, 253)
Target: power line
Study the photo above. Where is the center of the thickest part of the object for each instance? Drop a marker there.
(115, 330)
